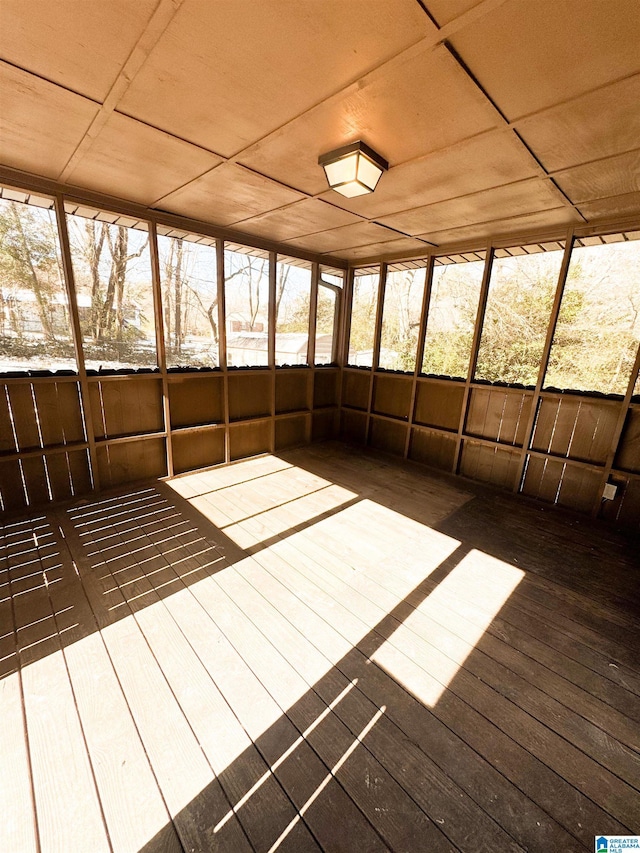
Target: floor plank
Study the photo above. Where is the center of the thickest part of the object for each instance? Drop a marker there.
(323, 650)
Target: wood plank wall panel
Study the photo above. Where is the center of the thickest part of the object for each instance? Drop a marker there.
(355, 389)
(197, 449)
(59, 412)
(131, 461)
(291, 432)
(625, 508)
(69, 474)
(387, 436)
(249, 395)
(35, 478)
(628, 455)
(542, 478)
(324, 425)
(495, 465)
(7, 441)
(195, 400)
(249, 439)
(432, 448)
(25, 420)
(439, 404)
(126, 406)
(292, 389)
(392, 395)
(353, 426)
(325, 388)
(575, 427)
(498, 414)
(561, 482)
(43, 415)
(579, 488)
(11, 488)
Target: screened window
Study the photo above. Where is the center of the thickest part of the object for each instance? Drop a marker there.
(451, 317)
(35, 326)
(521, 291)
(598, 329)
(363, 317)
(329, 286)
(246, 274)
(112, 271)
(188, 281)
(401, 318)
(293, 299)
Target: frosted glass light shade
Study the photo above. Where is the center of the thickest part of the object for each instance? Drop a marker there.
(354, 169)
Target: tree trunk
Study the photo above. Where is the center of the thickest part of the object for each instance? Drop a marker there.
(211, 313)
(282, 281)
(118, 257)
(168, 277)
(93, 254)
(177, 308)
(43, 305)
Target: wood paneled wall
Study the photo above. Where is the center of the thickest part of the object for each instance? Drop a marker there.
(208, 418)
(566, 461)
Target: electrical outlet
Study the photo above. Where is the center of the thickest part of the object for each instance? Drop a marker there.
(610, 491)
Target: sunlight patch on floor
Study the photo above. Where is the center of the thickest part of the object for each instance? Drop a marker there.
(425, 656)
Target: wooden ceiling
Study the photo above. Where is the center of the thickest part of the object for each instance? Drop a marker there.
(497, 117)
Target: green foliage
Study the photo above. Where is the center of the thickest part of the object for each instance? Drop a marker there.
(517, 318)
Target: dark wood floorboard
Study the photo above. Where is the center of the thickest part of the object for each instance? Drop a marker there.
(323, 650)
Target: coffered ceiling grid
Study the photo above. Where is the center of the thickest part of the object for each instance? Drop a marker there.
(496, 116)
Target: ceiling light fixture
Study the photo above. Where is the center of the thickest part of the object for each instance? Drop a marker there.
(353, 169)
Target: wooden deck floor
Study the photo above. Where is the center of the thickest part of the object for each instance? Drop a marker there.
(323, 650)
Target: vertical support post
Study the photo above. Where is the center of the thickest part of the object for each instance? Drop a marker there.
(160, 341)
(311, 349)
(615, 440)
(313, 315)
(85, 395)
(273, 259)
(377, 338)
(422, 330)
(544, 360)
(222, 345)
(342, 332)
(473, 360)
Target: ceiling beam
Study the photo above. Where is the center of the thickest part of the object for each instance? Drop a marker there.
(158, 23)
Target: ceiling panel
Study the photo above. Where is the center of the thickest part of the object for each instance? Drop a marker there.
(79, 45)
(137, 162)
(623, 205)
(613, 176)
(417, 106)
(228, 194)
(224, 74)
(445, 11)
(532, 55)
(347, 237)
(289, 81)
(512, 200)
(595, 125)
(33, 136)
(405, 245)
(542, 221)
(303, 217)
(486, 161)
